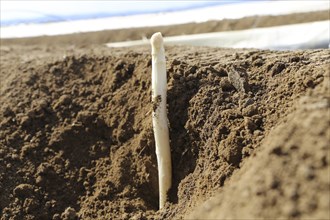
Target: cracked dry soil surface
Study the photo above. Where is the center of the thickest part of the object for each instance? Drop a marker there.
(249, 133)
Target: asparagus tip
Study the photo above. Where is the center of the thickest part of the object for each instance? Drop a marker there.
(156, 40)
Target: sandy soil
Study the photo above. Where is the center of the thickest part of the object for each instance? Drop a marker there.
(250, 133)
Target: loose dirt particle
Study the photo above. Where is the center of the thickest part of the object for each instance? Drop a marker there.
(23, 190)
(156, 103)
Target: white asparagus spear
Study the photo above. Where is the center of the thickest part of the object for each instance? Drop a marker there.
(159, 117)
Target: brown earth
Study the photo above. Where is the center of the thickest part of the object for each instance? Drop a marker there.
(250, 132)
(249, 126)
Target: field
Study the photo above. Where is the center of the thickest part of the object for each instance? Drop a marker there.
(249, 131)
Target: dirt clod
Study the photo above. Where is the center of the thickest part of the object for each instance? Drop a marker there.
(23, 190)
(69, 214)
(238, 78)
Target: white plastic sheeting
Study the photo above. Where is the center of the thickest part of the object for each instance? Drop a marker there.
(234, 10)
(297, 36)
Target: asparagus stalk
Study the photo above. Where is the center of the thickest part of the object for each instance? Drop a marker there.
(159, 117)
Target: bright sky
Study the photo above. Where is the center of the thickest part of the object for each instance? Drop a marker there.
(13, 10)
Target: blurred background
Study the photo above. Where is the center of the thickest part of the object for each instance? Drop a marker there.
(269, 24)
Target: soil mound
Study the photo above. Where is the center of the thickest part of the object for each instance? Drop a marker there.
(249, 126)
